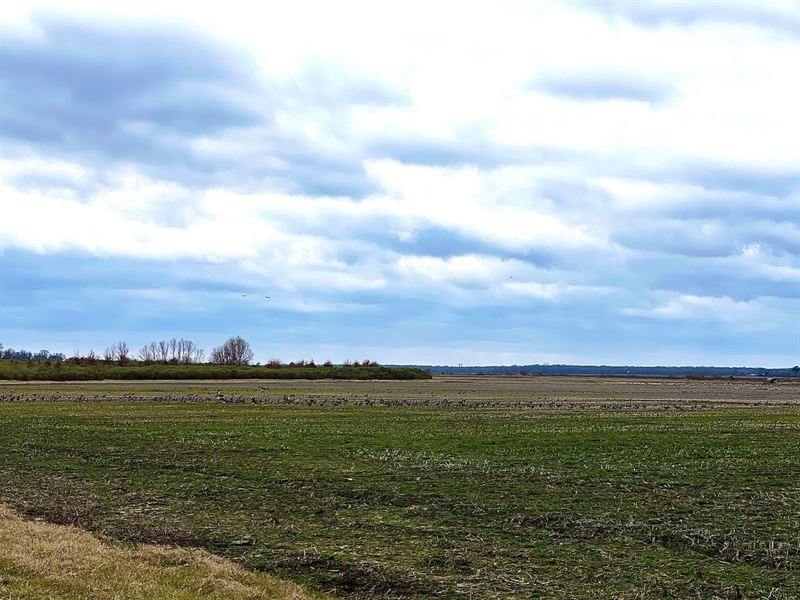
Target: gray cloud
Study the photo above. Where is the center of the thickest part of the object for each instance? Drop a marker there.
(332, 85)
(84, 87)
(707, 276)
(702, 204)
(32, 179)
(769, 182)
(470, 149)
(142, 94)
(656, 13)
(307, 170)
(572, 195)
(592, 86)
(694, 239)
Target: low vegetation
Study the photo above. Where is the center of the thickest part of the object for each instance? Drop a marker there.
(97, 370)
(451, 488)
(57, 562)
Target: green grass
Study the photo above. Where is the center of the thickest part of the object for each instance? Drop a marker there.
(426, 501)
(31, 370)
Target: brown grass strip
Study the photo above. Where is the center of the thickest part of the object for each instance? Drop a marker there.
(54, 562)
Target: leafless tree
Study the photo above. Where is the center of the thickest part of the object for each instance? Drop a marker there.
(175, 350)
(163, 351)
(110, 353)
(235, 351)
(217, 356)
(147, 353)
(187, 351)
(121, 350)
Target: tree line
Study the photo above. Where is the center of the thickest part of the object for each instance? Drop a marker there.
(234, 351)
(175, 351)
(42, 355)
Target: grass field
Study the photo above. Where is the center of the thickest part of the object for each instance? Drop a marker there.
(455, 487)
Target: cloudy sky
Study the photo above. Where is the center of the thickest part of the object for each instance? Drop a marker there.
(431, 182)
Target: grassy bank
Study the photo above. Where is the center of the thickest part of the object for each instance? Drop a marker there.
(602, 498)
(66, 371)
(39, 560)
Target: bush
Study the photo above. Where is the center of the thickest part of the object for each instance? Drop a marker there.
(133, 370)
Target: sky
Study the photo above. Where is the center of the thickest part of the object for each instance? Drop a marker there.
(411, 182)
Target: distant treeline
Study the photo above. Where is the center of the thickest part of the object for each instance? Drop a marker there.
(11, 354)
(235, 351)
(68, 371)
(182, 359)
(615, 370)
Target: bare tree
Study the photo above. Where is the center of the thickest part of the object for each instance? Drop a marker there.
(163, 351)
(235, 351)
(217, 356)
(187, 351)
(110, 353)
(122, 351)
(146, 353)
(175, 350)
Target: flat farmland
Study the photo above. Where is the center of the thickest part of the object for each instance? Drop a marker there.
(456, 487)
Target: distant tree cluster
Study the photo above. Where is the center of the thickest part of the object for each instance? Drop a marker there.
(43, 355)
(235, 351)
(118, 352)
(275, 363)
(367, 363)
(176, 351)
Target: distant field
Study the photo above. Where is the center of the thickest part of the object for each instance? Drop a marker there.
(454, 487)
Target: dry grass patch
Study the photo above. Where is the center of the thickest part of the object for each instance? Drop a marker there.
(53, 562)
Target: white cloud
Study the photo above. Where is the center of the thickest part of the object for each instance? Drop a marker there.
(754, 315)
(552, 291)
(494, 205)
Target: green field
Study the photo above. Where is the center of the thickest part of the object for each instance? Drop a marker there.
(450, 488)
